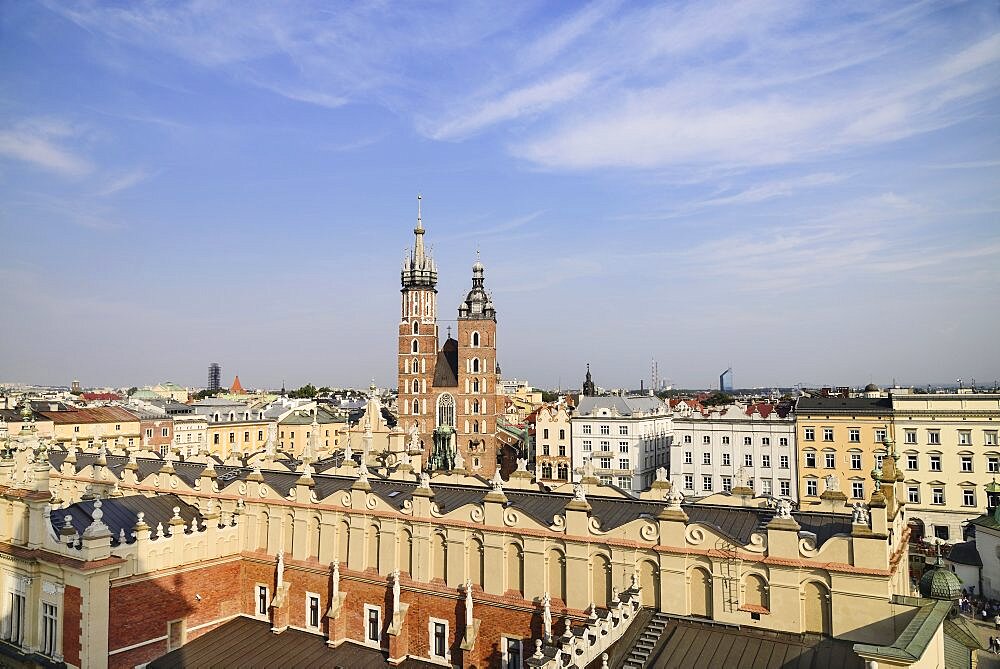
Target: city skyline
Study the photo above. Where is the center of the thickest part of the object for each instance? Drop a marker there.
(805, 193)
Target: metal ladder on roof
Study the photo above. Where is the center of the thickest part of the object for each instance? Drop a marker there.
(730, 567)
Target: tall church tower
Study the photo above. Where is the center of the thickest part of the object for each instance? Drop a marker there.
(478, 377)
(418, 338)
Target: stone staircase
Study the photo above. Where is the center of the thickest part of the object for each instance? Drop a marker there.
(647, 642)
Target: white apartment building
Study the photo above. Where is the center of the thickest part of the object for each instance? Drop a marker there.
(190, 433)
(625, 438)
(710, 447)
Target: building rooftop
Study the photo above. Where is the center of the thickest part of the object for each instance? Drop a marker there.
(624, 406)
(90, 415)
(852, 405)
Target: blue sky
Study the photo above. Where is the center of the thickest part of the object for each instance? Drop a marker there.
(808, 192)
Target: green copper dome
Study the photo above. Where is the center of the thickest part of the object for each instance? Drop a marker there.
(939, 583)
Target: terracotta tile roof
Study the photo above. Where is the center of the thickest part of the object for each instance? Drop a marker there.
(90, 397)
(90, 415)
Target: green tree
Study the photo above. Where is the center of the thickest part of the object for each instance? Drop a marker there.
(548, 396)
(307, 391)
(717, 398)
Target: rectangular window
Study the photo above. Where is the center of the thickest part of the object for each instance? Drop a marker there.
(811, 487)
(855, 461)
(765, 441)
(783, 461)
(830, 460)
(725, 441)
(175, 634)
(990, 437)
(623, 430)
(605, 445)
(562, 450)
(149, 432)
(623, 447)
(76, 428)
(545, 433)
(765, 461)
(879, 436)
(625, 482)
(726, 460)
(935, 463)
(262, 600)
(50, 627)
(260, 435)
(623, 463)
(706, 483)
(14, 629)
(439, 641)
(747, 441)
(605, 480)
(937, 495)
(968, 497)
(785, 487)
(964, 437)
(727, 483)
(941, 532)
(748, 459)
(854, 435)
(911, 461)
(605, 429)
(910, 436)
(688, 482)
(913, 494)
(605, 463)
(706, 458)
(810, 459)
(782, 441)
(232, 437)
(688, 458)
(586, 429)
(857, 489)
(165, 432)
(933, 437)
(246, 437)
(545, 449)
(809, 434)
(586, 444)
(706, 439)
(827, 434)
(765, 486)
(372, 625)
(993, 464)
(687, 438)
(312, 611)
(512, 653)
(966, 463)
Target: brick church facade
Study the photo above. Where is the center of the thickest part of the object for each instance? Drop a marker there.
(448, 395)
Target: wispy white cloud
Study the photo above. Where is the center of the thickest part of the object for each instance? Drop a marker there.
(124, 181)
(41, 143)
(502, 228)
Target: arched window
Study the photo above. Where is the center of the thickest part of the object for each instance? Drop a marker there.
(416, 407)
(475, 385)
(446, 410)
(415, 347)
(562, 434)
(475, 426)
(475, 406)
(546, 471)
(475, 340)
(406, 366)
(564, 472)
(475, 365)
(416, 327)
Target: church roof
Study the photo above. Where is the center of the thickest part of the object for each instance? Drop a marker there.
(446, 369)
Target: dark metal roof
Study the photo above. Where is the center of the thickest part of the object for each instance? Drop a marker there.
(737, 523)
(245, 642)
(696, 644)
(446, 368)
(965, 553)
(122, 513)
(844, 405)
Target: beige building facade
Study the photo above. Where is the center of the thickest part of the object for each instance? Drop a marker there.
(949, 450)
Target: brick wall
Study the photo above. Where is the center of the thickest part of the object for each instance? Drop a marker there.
(141, 610)
(72, 616)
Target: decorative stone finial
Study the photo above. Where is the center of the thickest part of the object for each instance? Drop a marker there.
(496, 483)
(425, 480)
(522, 464)
(661, 473)
(675, 497)
(783, 509)
(538, 650)
(578, 494)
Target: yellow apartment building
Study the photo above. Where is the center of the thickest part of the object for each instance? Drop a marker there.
(88, 427)
(839, 437)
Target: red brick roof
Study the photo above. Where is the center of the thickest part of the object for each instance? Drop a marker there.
(90, 397)
(236, 387)
(90, 415)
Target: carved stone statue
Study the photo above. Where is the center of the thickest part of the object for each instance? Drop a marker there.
(783, 509)
(860, 514)
(578, 493)
(395, 590)
(468, 604)
(832, 483)
(496, 483)
(661, 473)
(547, 615)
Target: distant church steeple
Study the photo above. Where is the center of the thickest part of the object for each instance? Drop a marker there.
(588, 384)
